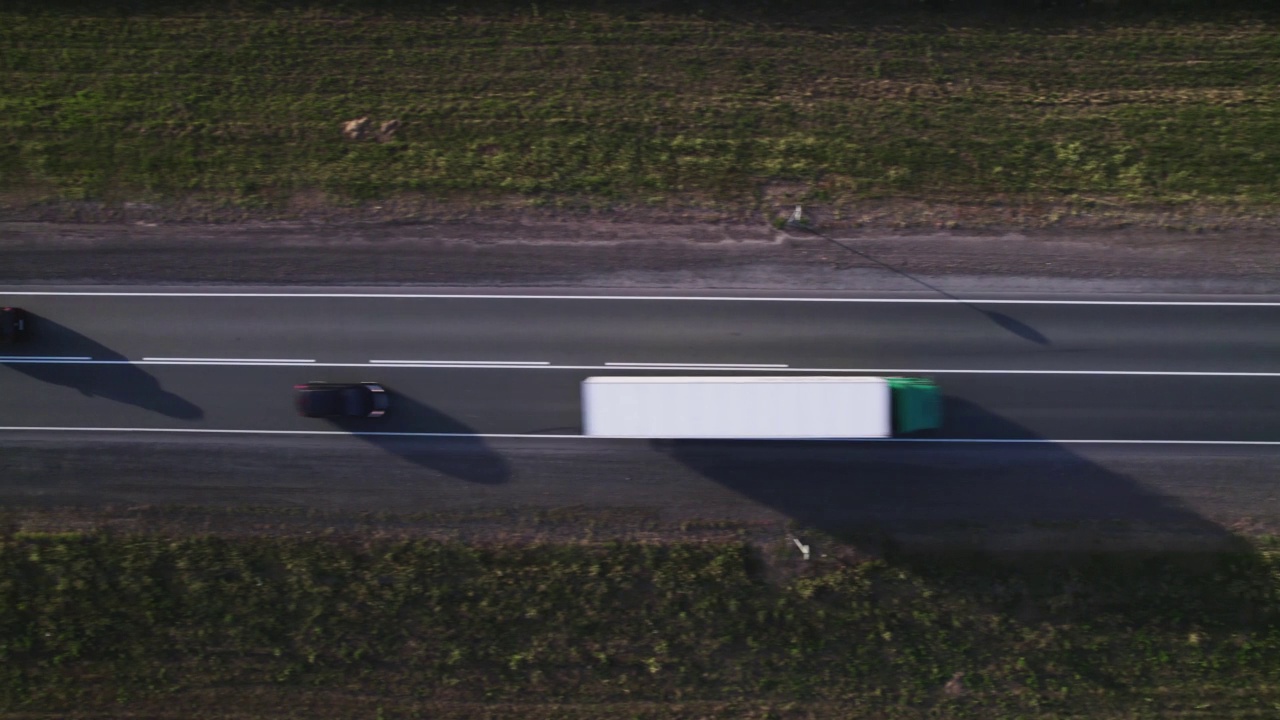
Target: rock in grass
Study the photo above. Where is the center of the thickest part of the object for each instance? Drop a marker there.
(356, 129)
(954, 686)
(387, 130)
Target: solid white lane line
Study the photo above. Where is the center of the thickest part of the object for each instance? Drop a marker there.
(664, 298)
(693, 365)
(528, 436)
(9, 358)
(271, 361)
(783, 369)
(498, 363)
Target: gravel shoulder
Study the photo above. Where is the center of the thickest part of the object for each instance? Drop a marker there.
(596, 254)
(635, 489)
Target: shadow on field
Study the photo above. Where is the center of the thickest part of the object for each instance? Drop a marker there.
(1033, 533)
(461, 453)
(838, 487)
(123, 382)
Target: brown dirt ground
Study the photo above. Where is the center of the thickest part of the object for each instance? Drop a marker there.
(608, 252)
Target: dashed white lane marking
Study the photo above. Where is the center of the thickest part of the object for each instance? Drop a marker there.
(523, 436)
(661, 298)
(730, 366)
(680, 366)
(463, 363)
(234, 361)
(38, 358)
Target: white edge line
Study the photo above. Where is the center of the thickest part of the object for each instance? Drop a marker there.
(849, 371)
(498, 363)
(246, 361)
(676, 298)
(695, 365)
(522, 436)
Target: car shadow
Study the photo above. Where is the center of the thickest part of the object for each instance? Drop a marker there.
(118, 380)
(460, 452)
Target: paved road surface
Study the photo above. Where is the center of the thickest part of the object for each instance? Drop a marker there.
(912, 331)
(493, 365)
(1012, 370)
(828, 485)
(545, 402)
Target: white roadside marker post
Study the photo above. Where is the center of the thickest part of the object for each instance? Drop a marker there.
(803, 548)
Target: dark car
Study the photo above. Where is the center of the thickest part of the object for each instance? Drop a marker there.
(323, 399)
(13, 324)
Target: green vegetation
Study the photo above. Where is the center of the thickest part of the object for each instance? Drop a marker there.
(532, 106)
(102, 622)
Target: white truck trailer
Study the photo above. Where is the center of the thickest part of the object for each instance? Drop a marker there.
(775, 408)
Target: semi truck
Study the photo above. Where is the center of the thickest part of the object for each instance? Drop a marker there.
(764, 408)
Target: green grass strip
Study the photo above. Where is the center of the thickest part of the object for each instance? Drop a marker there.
(94, 620)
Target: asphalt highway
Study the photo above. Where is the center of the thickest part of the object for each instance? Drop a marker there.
(1013, 368)
(858, 333)
(473, 481)
(165, 396)
(532, 401)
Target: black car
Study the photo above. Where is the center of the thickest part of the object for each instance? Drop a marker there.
(323, 399)
(13, 324)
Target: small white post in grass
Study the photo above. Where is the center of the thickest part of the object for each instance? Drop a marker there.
(798, 219)
(803, 548)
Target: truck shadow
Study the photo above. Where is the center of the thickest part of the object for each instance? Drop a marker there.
(118, 381)
(1030, 531)
(460, 453)
(835, 486)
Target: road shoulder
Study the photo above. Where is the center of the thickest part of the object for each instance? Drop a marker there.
(636, 256)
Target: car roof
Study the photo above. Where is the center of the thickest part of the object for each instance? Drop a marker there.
(335, 398)
(324, 400)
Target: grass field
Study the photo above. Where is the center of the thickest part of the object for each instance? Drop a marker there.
(600, 110)
(105, 624)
